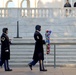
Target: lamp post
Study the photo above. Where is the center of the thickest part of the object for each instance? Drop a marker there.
(18, 22)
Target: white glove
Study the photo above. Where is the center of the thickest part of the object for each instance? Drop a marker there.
(7, 51)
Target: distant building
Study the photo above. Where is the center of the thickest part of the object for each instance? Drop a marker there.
(34, 3)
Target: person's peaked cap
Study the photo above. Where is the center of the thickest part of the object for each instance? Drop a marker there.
(38, 27)
(4, 30)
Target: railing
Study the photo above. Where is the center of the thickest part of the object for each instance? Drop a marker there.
(54, 44)
(55, 50)
(37, 12)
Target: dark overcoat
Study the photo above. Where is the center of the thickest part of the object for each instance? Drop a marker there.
(67, 5)
(39, 51)
(75, 4)
(5, 47)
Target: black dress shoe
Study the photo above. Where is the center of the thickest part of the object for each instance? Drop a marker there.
(1, 66)
(44, 70)
(30, 66)
(8, 70)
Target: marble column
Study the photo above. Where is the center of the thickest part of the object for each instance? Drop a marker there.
(35, 3)
(28, 3)
(6, 4)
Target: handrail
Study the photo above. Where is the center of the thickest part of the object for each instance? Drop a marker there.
(67, 43)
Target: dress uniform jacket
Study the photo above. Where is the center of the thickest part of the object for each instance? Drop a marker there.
(5, 47)
(75, 4)
(67, 5)
(39, 51)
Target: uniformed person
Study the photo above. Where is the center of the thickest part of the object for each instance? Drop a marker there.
(67, 4)
(5, 50)
(39, 51)
(75, 4)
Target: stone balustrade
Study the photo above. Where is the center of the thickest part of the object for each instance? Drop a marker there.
(37, 12)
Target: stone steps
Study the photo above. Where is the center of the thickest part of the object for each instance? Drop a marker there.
(21, 53)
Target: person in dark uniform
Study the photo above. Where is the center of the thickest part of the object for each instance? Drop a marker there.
(75, 4)
(67, 4)
(39, 51)
(5, 50)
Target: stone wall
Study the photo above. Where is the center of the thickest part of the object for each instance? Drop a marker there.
(60, 27)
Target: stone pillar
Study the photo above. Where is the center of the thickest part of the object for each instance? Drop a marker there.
(3, 3)
(35, 4)
(6, 5)
(21, 3)
(63, 2)
(40, 4)
(28, 3)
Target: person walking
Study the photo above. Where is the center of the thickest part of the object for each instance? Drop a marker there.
(75, 4)
(5, 50)
(39, 51)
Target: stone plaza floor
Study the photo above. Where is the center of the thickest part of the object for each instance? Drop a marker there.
(35, 71)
